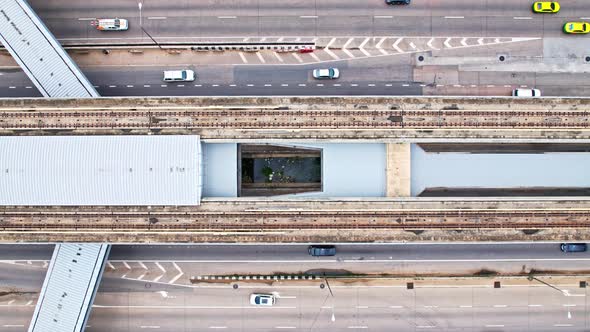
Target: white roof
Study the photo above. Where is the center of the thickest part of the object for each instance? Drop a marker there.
(100, 170)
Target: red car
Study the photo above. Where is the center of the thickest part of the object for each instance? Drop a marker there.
(306, 50)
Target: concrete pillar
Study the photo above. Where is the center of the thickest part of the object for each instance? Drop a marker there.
(398, 169)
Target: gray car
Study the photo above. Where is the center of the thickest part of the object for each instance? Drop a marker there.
(321, 250)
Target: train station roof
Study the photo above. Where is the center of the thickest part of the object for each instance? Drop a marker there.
(100, 170)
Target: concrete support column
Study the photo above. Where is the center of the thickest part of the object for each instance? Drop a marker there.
(398, 169)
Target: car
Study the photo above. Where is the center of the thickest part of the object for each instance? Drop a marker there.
(186, 75)
(306, 50)
(112, 24)
(573, 247)
(546, 7)
(526, 93)
(576, 27)
(321, 250)
(327, 73)
(266, 300)
(397, 2)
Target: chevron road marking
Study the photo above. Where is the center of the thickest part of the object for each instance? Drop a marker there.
(480, 41)
(348, 42)
(260, 57)
(348, 53)
(430, 44)
(397, 47)
(412, 45)
(180, 273)
(447, 44)
(330, 53)
(361, 48)
(278, 56)
(296, 56)
(464, 42)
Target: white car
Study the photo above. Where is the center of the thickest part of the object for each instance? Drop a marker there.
(112, 24)
(186, 75)
(266, 300)
(526, 93)
(327, 73)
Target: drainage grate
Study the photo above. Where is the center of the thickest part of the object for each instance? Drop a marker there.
(497, 284)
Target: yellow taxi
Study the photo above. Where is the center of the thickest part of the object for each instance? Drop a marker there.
(545, 7)
(576, 27)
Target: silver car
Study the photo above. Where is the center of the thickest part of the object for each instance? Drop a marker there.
(266, 300)
(327, 73)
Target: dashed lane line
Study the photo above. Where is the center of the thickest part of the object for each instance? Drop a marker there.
(268, 85)
(454, 17)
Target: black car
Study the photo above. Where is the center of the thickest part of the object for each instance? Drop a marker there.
(397, 2)
(323, 250)
(573, 247)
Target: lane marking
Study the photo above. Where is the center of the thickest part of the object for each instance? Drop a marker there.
(86, 18)
(30, 87)
(285, 327)
(126, 265)
(447, 43)
(522, 18)
(112, 86)
(362, 307)
(177, 276)
(284, 84)
(358, 327)
(146, 85)
(535, 305)
(12, 325)
(465, 306)
(150, 327)
(297, 57)
(494, 325)
(268, 85)
(429, 44)
(524, 259)
(198, 85)
(388, 84)
(215, 85)
(349, 53)
(337, 84)
(319, 84)
(332, 41)
(454, 17)
(383, 16)
(562, 325)
(160, 267)
(500, 306)
(371, 84)
(308, 16)
(332, 54)
(157, 17)
(218, 327)
(222, 17)
(396, 306)
(142, 265)
(278, 56)
(361, 48)
(233, 85)
(129, 86)
(480, 41)
(412, 45)
(152, 307)
(249, 84)
(111, 265)
(397, 47)
(243, 57)
(464, 42)
(315, 57)
(425, 326)
(569, 305)
(260, 57)
(163, 85)
(302, 84)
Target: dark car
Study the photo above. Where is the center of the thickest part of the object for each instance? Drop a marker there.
(573, 247)
(397, 2)
(322, 250)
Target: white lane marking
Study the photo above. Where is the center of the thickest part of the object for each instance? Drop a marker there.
(222, 17)
(535, 305)
(308, 16)
(146, 85)
(126, 265)
(494, 325)
(480, 41)
(319, 84)
(214, 84)
(522, 18)
(150, 326)
(358, 327)
(349, 53)
(332, 54)
(157, 17)
(198, 85)
(500, 306)
(454, 17)
(347, 42)
(233, 85)
(263, 39)
(383, 16)
(378, 46)
(268, 85)
(243, 57)
(447, 43)
(111, 265)
(129, 86)
(29, 302)
(158, 278)
(249, 84)
(284, 84)
(180, 273)
(285, 327)
(490, 85)
(296, 56)
(86, 18)
(371, 84)
(112, 86)
(364, 42)
(315, 57)
(429, 44)
(362, 307)
(397, 47)
(163, 85)
(332, 41)
(465, 306)
(280, 39)
(142, 265)
(584, 18)
(260, 57)
(12, 325)
(396, 306)
(151, 307)
(464, 42)
(30, 87)
(457, 85)
(278, 56)
(569, 305)
(412, 45)
(337, 84)
(302, 84)
(160, 267)
(11, 302)
(562, 325)
(425, 326)
(496, 40)
(218, 327)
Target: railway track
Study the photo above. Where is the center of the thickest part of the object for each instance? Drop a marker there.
(290, 119)
(288, 220)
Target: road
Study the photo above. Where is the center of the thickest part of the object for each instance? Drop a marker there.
(155, 287)
(375, 46)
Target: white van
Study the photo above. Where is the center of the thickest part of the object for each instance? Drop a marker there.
(179, 75)
(112, 24)
(526, 93)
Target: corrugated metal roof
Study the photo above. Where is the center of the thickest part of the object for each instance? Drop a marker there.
(69, 287)
(100, 170)
(39, 54)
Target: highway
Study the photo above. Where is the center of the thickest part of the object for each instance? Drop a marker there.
(375, 46)
(128, 303)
